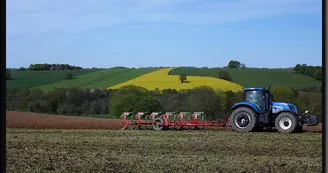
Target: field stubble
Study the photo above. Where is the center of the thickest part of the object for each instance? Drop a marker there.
(161, 151)
(60, 150)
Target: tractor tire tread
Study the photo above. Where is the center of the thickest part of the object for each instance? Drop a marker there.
(293, 118)
(252, 115)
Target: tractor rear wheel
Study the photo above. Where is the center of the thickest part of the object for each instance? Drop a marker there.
(158, 123)
(243, 119)
(286, 122)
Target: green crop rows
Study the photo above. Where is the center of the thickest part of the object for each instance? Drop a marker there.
(99, 79)
(255, 77)
(30, 79)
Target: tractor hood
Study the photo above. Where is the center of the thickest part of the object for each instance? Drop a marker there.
(281, 106)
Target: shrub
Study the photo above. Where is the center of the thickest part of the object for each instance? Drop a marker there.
(203, 99)
(182, 77)
(224, 75)
(8, 74)
(282, 94)
(69, 75)
(132, 101)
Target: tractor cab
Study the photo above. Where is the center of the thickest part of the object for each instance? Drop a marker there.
(260, 97)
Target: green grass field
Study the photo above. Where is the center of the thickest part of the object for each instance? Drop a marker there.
(255, 77)
(99, 79)
(30, 79)
(161, 151)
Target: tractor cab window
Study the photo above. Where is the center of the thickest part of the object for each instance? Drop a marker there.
(256, 97)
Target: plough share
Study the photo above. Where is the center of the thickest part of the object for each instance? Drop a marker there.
(169, 120)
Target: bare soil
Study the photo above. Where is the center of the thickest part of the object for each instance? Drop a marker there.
(41, 150)
(44, 121)
(317, 128)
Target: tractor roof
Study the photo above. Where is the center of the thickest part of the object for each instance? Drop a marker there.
(253, 89)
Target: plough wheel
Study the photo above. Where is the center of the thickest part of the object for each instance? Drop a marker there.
(158, 124)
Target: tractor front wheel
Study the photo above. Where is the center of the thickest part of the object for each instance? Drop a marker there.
(286, 122)
(243, 119)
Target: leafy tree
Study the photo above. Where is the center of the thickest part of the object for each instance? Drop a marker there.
(47, 67)
(282, 94)
(313, 71)
(99, 107)
(234, 64)
(55, 98)
(132, 101)
(8, 74)
(21, 69)
(297, 68)
(204, 99)
(182, 77)
(223, 74)
(303, 68)
(132, 89)
(69, 75)
(318, 74)
(304, 98)
(172, 100)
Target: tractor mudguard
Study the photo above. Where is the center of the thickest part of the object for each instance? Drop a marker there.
(252, 105)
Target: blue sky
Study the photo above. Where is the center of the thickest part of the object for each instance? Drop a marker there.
(140, 33)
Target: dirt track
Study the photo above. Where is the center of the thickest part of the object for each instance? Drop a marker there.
(44, 121)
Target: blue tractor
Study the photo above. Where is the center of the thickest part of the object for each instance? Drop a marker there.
(258, 110)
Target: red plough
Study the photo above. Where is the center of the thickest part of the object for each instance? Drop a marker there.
(169, 120)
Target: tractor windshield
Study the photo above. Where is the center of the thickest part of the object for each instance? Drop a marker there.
(256, 97)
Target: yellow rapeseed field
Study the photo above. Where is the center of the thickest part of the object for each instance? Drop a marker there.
(161, 80)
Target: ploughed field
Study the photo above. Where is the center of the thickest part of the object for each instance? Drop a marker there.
(15, 119)
(43, 121)
(62, 150)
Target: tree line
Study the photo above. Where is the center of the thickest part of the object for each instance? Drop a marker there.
(78, 101)
(313, 71)
(48, 67)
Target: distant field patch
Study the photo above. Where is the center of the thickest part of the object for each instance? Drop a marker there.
(99, 79)
(255, 77)
(161, 80)
(30, 79)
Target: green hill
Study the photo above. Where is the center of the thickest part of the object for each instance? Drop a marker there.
(99, 79)
(251, 77)
(30, 79)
